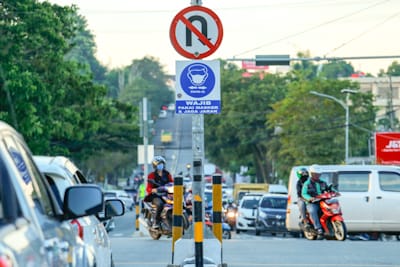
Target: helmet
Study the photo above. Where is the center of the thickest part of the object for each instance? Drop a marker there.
(157, 160)
(301, 173)
(315, 169)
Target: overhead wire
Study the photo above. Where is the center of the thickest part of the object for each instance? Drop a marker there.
(363, 33)
(314, 27)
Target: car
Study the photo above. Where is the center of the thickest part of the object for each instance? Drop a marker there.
(61, 173)
(246, 214)
(122, 195)
(35, 230)
(171, 107)
(162, 114)
(277, 189)
(271, 214)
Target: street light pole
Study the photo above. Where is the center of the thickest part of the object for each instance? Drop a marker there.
(346, 108)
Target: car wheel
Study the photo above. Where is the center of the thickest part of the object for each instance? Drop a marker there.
(237, 231)
(258, 232)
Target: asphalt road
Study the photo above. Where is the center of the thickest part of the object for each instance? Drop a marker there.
(136, 248)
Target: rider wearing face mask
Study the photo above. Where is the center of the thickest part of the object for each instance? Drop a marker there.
(155, 183)
(312, 188)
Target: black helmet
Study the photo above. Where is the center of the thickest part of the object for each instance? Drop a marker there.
(157, 160)
(302, 173)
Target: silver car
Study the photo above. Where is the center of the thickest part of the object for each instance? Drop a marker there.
(34, 230)
(122, 195)
(61, 173)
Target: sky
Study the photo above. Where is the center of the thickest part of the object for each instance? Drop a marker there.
(126, 30)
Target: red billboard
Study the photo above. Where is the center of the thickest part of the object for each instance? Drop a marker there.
(387, 148)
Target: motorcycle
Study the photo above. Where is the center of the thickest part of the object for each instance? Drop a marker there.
(330, 218)
(166, 223)
(226, 229)
(230, 214)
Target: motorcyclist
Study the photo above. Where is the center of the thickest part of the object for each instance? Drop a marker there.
(302, 175)
(231, 204)
(312, 188)
(155, 183)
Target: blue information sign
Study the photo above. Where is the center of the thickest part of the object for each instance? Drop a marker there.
(198, 87)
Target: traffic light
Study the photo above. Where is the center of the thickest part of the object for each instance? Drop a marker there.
(272, 60)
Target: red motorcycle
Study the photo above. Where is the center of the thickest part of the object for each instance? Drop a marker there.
(331, 219)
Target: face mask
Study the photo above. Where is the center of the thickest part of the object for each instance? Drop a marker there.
(160, 166)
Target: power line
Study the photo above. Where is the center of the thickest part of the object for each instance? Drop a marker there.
(363, 33)
(314, 27)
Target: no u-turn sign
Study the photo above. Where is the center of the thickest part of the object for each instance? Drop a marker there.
(196, 32)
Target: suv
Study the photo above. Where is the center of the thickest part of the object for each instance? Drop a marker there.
(61, 173)
(246, 214)
(30, 213)
(271, 214)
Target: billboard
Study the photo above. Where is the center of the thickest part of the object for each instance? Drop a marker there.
(387, 148)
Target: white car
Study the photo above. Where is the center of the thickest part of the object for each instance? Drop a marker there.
(247, 211)
(122, 195)
(62, 173)
(162, 114)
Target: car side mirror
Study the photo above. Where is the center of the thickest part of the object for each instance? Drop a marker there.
(113, 208)
(82, 200)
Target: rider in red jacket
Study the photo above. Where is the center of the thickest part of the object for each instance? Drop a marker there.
(155, 183)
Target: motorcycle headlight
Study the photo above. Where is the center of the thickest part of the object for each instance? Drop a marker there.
(170, 190)
(230, 214)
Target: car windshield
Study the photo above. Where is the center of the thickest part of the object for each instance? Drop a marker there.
(273, 203)
(249, 203)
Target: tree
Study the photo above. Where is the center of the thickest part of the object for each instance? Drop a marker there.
(312, 128)
(336, 69)
(143, 78)
(239, 134)
(50, 97)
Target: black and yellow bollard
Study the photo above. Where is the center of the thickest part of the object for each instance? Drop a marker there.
(137, 209)
(198, 230)
(177, 212)
(217, 206)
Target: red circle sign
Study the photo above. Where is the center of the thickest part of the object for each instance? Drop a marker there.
(196, 32)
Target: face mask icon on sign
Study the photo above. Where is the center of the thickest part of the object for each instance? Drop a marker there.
(197, 74)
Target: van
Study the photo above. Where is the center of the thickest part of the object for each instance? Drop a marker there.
(370, 197)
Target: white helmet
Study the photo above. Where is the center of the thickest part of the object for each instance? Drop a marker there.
(315, 169)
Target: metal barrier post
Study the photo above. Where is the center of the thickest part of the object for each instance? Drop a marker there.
(137, 202)
(217, 206)
(177, 212)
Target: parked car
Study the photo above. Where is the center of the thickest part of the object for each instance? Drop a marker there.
(271, 214)
(122, 195)
(61, 173)
(247, 212)
(35, 230)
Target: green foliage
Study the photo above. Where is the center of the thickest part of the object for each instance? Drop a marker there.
(313, 127)
(47, 88)
(144, 78)
(336, 69)
(239, 134)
